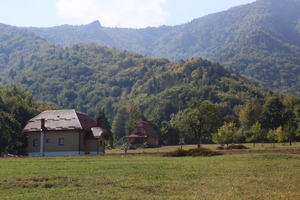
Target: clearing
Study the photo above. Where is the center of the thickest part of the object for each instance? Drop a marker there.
(236, 176)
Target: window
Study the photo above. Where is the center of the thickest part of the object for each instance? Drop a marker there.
(35, 142)
(61, 141)
(48, 140)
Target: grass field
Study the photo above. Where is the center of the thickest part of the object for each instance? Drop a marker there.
(245, 176)
(209, 146)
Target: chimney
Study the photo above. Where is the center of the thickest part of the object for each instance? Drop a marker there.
(42, 137)
(43, 124)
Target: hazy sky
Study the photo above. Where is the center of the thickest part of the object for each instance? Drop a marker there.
(120, 13)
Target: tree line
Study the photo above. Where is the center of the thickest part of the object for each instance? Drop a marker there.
(17, 107)
(277, 119)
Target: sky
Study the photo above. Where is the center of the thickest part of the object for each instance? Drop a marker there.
(110, 13)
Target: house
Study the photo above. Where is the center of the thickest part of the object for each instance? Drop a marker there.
(143, 133)
(64, 132)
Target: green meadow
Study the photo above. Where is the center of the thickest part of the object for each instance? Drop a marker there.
(237, 176)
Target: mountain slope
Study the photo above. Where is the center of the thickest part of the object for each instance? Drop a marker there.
(260, 40)
(85, 77)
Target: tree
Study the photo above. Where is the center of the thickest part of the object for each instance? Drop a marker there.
(119, 122)
(250, 113)
(169, 134)
(104, 123)
(272, 137)
(134, 116)
(280, 135)
(290, 130)
(273, 114)
(256, 134)
(11, 138)
(199, 122)
(225, 134)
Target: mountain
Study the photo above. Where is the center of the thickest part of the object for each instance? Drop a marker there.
(86, 76)
(259, 40)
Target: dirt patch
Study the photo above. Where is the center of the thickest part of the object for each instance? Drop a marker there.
(232, 147)
(192, 152)
(39, 182)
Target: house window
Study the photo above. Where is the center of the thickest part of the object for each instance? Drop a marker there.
(48, 140)
(61, 141)
(35, 142)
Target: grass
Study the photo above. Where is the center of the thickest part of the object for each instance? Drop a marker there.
(245, 176)
(209, 146)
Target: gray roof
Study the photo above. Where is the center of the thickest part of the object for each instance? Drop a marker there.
(61, 120)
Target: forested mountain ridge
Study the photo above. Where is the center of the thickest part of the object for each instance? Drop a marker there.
(259, 40)
(86, 76)
(128, 87)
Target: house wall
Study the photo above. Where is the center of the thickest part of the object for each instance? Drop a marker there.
(91, 145)
(71, 144)
(152, 141)
(51, 139)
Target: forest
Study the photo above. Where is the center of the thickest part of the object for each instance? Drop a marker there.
(17, 107)
(187, 101)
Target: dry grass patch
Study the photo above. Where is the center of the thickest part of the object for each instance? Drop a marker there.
(192, 152)
(39, 182)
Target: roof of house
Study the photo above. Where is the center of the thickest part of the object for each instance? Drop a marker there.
(147, 127)
(98, 132)
(61, 120)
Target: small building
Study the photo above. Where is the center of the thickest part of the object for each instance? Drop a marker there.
(64, 132)
(143, 134)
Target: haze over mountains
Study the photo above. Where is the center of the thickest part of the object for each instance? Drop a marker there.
(260, 40)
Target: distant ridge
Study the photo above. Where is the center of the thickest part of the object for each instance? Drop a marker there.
(260, 40)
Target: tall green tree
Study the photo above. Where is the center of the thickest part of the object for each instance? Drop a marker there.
(273, 114)
(226, 134)
(104, 123)
(200, 122)
(290, 130)
(250, 113)
(11, 138)
(119, 123)
(256, 134)
(169, 134)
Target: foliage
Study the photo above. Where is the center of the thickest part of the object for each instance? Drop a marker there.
(199, 122)
(105, 124)
(250, 114)
(170, 135)
(88, 76)
(256, 133)
(273, 114)
(85, 77)
(226, 134)
(16, 108)
(118, 125)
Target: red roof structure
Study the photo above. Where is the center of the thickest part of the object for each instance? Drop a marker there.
(143, 134)
(144, 129)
